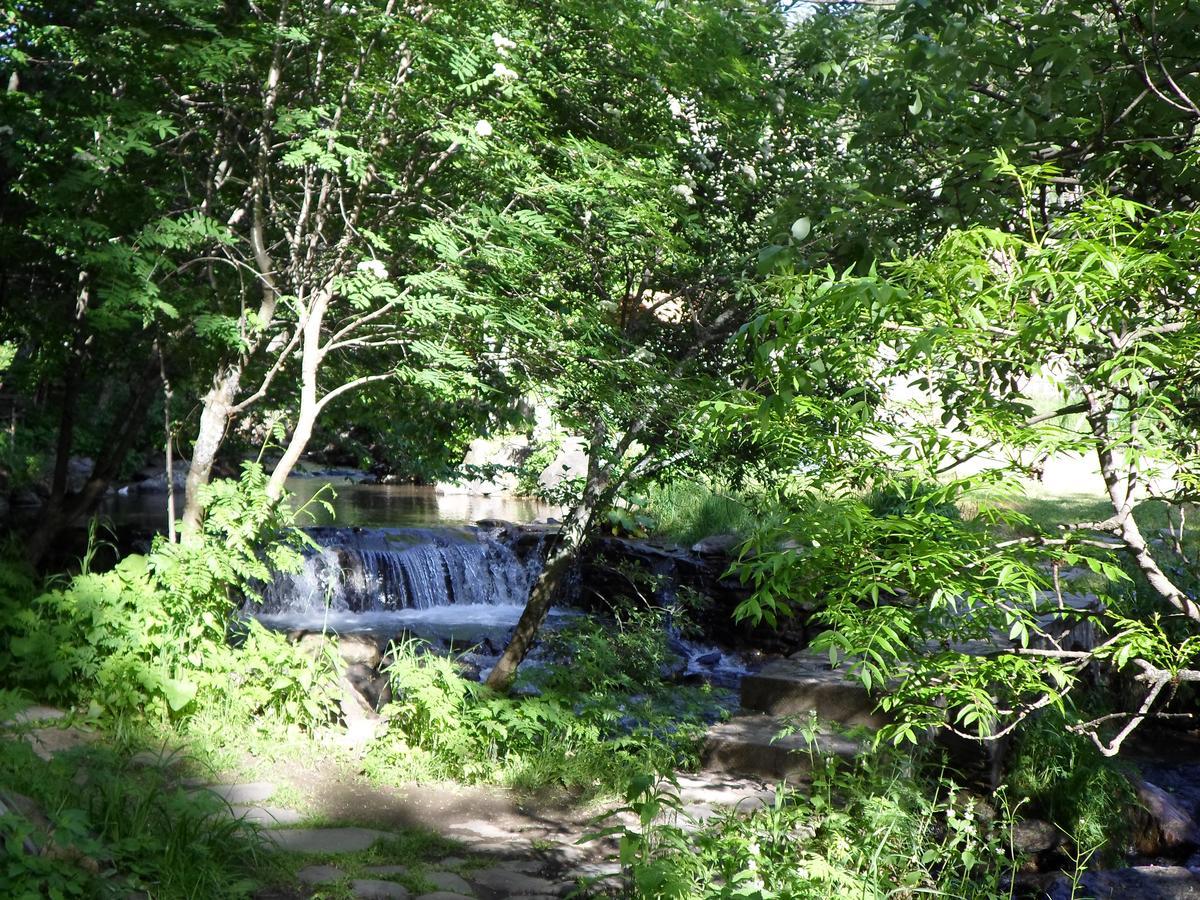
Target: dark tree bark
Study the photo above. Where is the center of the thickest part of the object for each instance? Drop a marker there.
(69, 509)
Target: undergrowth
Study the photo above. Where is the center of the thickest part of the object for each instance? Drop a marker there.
(687, 511)
(876, 827)
(115, 826)
(593, 716)
(1070, 784)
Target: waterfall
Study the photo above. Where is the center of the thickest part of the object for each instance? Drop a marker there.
(383, 570)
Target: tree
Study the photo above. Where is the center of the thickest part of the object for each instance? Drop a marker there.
(92, 236)
(1098, 302)
(648, 230)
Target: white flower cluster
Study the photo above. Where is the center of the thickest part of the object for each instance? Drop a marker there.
(502, 44)
(503, 72)
(373, 267)
(483, 128)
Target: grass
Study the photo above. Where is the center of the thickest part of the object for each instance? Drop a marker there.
(1049, 507)
(418, 850)
(688, 511)
(116, 825)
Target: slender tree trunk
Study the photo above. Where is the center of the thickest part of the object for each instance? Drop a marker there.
(310, 406)
(597, 491)
(127, 427)
(214, 422)
(1121, 492)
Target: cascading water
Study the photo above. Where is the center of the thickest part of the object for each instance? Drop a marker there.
(390, 570)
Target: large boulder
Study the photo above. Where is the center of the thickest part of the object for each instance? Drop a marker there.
(490, 465)
(569, 463)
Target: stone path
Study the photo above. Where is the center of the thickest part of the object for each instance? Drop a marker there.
(505, 849)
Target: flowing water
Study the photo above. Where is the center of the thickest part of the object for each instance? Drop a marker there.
(404, 560)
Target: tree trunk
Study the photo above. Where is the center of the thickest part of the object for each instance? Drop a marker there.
(214, 421)
(310, 407)
(1121, 488)
(106, 468)
(597, 491)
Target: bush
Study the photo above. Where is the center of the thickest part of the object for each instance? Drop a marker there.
(1070, 784)
(873, 828)
(686, 511)
(148, 640)
(586, 723)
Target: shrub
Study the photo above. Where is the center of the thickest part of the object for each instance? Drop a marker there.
(873, 828)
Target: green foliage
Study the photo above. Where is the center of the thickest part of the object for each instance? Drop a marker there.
(687, 511)
(873, 829)
(1070, 784)
(597, 714)
(149, 638)
(119, 828)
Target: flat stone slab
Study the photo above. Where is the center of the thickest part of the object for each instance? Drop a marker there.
(49, 742)
(266, 815)
(448, 881)
(750, 745)
(705, 792)
(506, 881)
(32, 714)
(244, 794)
(320, 874)
(386, 870)
(444, 895)
(323, 840)
(480, 829)
(369, 889)
(805, 683)
(1143, 882)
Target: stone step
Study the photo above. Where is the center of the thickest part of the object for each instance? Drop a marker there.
(751, 745)
(804, 684)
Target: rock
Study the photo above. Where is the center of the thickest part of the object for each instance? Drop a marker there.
(266, 815)
(448, 881)
(252, 792)
(323, 840)
(368, 889)
(1031, 836)
(25, 498)
(569, 463)
(363, 724)
(375, 688)
(751, 745)
(1141, 882)
(79, 470)
(444, 895)
(12, 803)
(805, 683)
(489, 465)
(386, 870)
(359, 649)
(154, 480)
(320, 874)
(32, 714)
(1171, 826)
(49, 742)
(717, 545)
(506, 881)
(480, 828)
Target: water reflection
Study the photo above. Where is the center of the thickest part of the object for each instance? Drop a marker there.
(367, 505)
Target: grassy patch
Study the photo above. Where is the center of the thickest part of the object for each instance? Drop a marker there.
(687, 511)
(117, 825)
(419, 851)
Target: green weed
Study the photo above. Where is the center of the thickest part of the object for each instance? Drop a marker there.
(873, 828)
